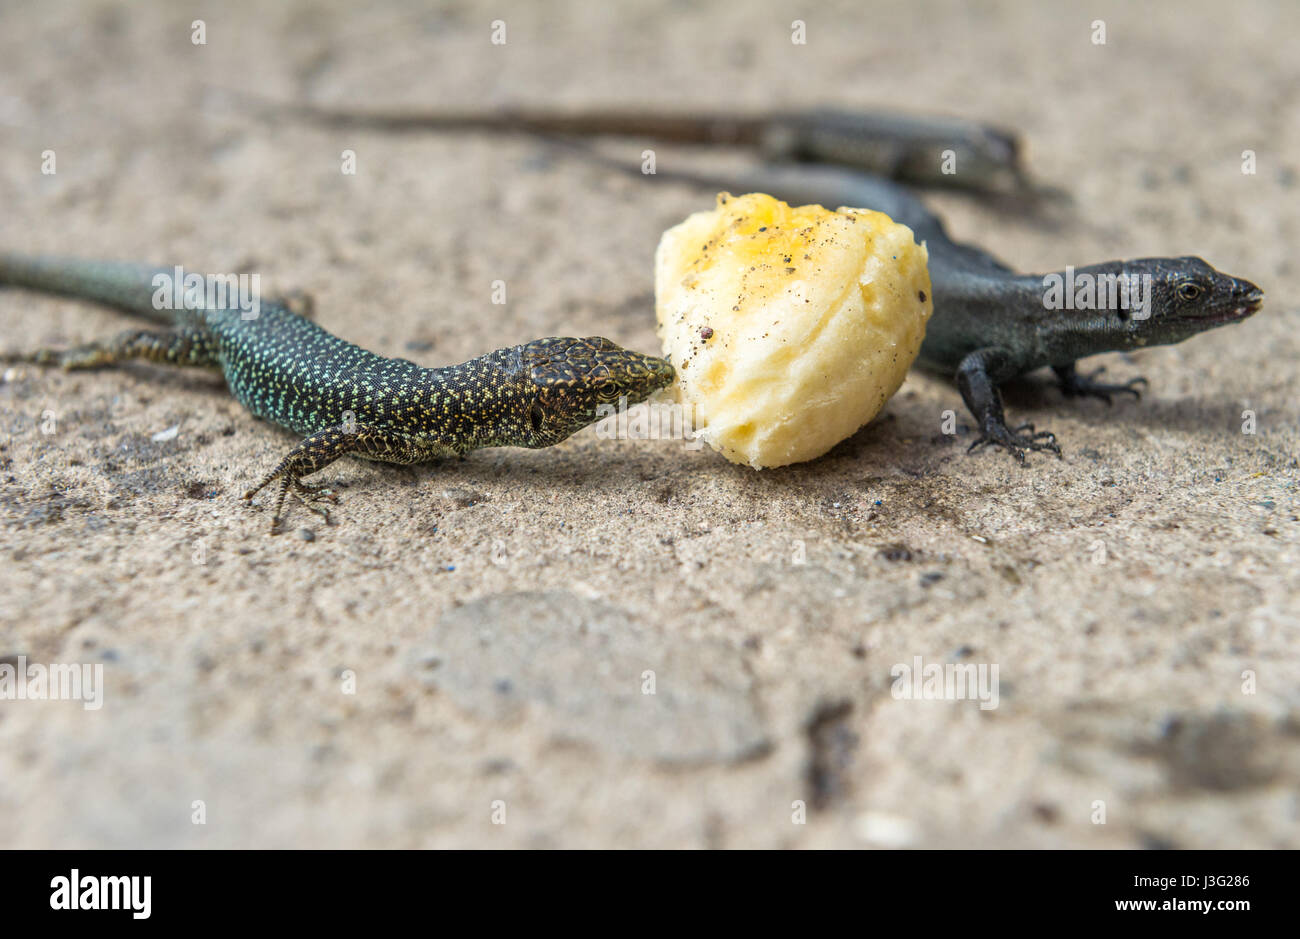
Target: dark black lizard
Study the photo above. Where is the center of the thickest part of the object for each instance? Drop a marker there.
(991, 324)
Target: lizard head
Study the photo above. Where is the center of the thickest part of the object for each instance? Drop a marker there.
(572, 383)
(1166, 300)
(1189, 296)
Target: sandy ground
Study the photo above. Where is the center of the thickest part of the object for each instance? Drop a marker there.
(469, 643)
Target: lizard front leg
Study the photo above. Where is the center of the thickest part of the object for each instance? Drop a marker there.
(1074, 385)
(189, 347)
(978, 377)
(323, 448)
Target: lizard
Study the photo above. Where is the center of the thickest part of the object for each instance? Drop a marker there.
(921, 150)
(990, 323)
(342, 399)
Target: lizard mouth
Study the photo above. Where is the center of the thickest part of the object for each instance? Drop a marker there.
(1245, 304)
(1249, 306)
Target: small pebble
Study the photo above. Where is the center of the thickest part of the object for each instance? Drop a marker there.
(306, 534)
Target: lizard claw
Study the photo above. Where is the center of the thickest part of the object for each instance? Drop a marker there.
(1086, 386)
(1014, 442)
(308, 495)
(65, 358)
(305, 493)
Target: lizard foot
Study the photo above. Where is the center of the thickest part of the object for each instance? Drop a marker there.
(1011, 440)
(313, 454)
(81, 357)
(310, 495)
(1084, 386)
(286, 482)
(307, 494)
(171, 347)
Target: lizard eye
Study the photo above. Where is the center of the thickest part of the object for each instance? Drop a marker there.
(1188, 291)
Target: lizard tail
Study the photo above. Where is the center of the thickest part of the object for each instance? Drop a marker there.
(127, 287)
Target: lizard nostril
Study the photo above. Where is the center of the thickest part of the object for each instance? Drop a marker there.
(1245, 290)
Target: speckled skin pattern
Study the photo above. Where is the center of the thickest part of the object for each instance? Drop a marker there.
(343, 399)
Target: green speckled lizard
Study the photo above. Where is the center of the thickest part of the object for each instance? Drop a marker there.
(343, 399)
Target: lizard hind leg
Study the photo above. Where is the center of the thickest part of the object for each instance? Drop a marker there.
(187, 347)
(314, 453)
(1074, 385)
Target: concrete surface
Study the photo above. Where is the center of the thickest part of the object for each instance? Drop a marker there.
(497, 620)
